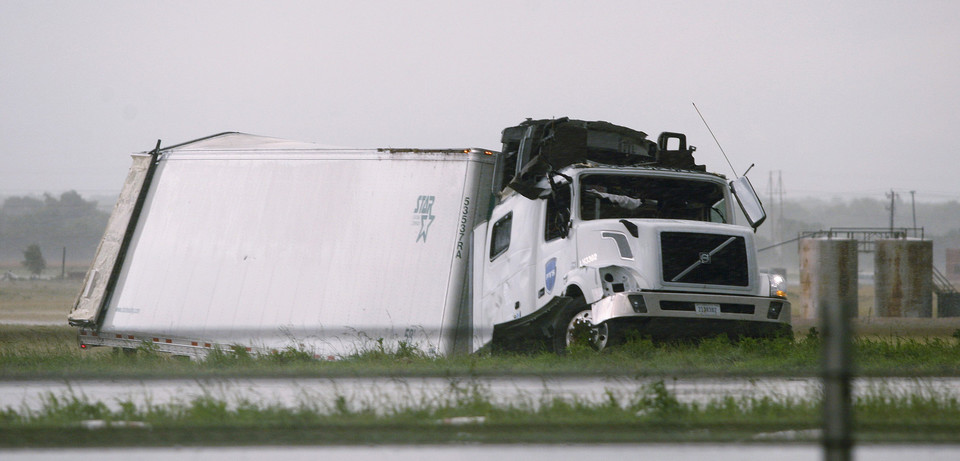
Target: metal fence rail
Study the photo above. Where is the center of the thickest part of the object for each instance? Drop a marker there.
(865, 236)
(941, 284)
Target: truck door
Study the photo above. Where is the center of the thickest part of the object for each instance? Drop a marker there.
(557, 252)
(508, 281)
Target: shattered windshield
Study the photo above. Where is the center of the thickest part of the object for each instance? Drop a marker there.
(609, 196)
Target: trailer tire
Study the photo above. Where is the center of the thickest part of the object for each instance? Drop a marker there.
(573, 324)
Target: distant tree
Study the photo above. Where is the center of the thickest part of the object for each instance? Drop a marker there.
(33, 259)
(50, 221)
(18, 206)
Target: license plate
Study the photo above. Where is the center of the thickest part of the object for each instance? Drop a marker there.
(707, 309)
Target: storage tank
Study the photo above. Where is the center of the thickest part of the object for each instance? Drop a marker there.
(948, 304)
(903, 278)
(828, 276)
(953, 265)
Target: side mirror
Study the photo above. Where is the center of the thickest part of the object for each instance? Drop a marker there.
(749, 201)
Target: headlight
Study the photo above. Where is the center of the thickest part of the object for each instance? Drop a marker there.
(778, 286)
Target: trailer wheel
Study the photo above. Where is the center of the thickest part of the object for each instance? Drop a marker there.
(574, 325)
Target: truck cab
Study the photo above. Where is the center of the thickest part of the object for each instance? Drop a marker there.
(598, 252)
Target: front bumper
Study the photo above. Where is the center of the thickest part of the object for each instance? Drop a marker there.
(693, 308)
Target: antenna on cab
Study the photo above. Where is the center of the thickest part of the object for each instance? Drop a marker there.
(718, 142)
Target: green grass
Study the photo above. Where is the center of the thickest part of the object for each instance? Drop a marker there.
(651, 414)
(883, 347)
(38, 301)
(924, 347)
(49, 352)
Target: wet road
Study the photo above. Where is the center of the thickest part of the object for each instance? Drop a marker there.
(691, 452)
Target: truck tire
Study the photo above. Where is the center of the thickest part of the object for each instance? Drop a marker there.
(573, 324)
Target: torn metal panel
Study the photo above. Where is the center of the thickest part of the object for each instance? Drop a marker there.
(536, 147)
(87, 306)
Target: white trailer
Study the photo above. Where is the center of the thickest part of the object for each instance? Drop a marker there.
(241, 240)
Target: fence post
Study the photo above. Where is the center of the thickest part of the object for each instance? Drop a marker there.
(837, 365)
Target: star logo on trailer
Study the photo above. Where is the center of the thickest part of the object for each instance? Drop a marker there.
(423, 215)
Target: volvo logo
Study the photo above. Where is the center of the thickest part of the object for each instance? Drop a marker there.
(704, 257)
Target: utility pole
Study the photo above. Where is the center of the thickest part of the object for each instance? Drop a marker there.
(770, 185)
(775, 205)
(774, 232)
(913, 204)
(893, 199)
(779, 217)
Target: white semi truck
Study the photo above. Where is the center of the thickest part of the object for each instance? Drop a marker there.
(577, 231)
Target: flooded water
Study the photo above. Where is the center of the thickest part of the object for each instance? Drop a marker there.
(692, 452)
(406, 392)
(389, 393)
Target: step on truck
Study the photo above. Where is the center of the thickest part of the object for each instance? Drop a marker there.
(577, 230)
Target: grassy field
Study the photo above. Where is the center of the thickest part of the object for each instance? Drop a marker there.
(37, 301)
(42, 301)
(50, 352)
(885, 346)
(36, 343)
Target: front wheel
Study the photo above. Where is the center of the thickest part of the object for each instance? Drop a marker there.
(574, 325)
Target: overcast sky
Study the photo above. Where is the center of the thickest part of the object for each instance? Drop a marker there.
(845, 99)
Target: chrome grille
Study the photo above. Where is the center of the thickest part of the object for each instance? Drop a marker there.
(709, 259)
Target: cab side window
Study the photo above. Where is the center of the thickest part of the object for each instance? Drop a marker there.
(500, 236)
